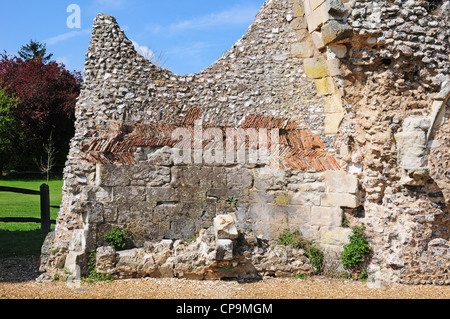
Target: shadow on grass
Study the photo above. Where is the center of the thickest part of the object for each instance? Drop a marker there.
(19, 254)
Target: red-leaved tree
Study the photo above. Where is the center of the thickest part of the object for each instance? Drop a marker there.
(47, 96)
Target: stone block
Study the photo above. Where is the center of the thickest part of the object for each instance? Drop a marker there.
(305, 198)
(317, 18)
(299, 24)
(225, 226)
(334, 30)
(332, 122)
(162, 156)
(93, 193)
(298, 215)
(224, 249)
(411, 149)
(112, 175)
(269, 179)
(340, 200)
(333, 104)
(339, 50)
(315, 3)
(325, 86)
(162, 194)
(151, 175)
(307, 7)
(130, 194)
(340, 182)
(105, 259)
(72, 263)
(315, 68)
(333, 67)
(326, 216)
(239, 178)
(335, 235)
(303, 49)
(335, 8)
(316, 38)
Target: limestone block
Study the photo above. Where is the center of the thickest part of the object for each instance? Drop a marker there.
(162, 156)
(413, 124)
(305, 198)
(239, 178)
(333, 104)
(225, 226)
(339, 50)
(334, 30)
(112, 175)
(224, 249)
(317, 18)
(163, 194)
(78, 241)
(335, 235)
(315, 68)
(333, 67)
(325, 86)
(93, 193)
(105, 259)
(307, 7)
(303, 49)
(298, 215)
(131, 193)
(340, 200)
(411, 149)
(326, 216)
(152, 175)
(340, 182)
(299, 24)
(72, 263)
(269, 179)
(316, 37)
(315, 3)
(332, 122)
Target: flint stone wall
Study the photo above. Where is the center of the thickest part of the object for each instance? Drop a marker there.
(359, 74)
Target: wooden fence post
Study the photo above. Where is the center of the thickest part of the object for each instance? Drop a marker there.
(45, 207)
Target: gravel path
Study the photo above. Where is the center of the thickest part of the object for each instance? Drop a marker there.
(24, 272)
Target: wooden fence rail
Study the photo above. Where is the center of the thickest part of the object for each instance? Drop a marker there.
(45, 206)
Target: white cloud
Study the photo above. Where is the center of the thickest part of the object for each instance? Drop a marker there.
(148, 53)
(65, 36)
(235, 16)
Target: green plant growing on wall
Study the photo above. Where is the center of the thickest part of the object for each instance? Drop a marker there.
(296, 240)
(232, 201)
(357, 251)
(93, 274)
(116, 238)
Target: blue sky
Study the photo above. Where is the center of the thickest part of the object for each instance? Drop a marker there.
(190, 34)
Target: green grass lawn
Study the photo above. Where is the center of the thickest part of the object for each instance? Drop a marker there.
(25, 239)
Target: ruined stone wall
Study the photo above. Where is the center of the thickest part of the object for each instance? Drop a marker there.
(357, 91)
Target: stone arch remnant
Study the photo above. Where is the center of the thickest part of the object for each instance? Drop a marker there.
(205, 171)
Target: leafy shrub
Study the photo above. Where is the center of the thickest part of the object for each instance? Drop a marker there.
(93, 274)
(357, 251)
(296, 240)
(316, 257)
(116, 238)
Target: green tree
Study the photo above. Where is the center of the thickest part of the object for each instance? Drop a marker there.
(34, 51)
(10, 132)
